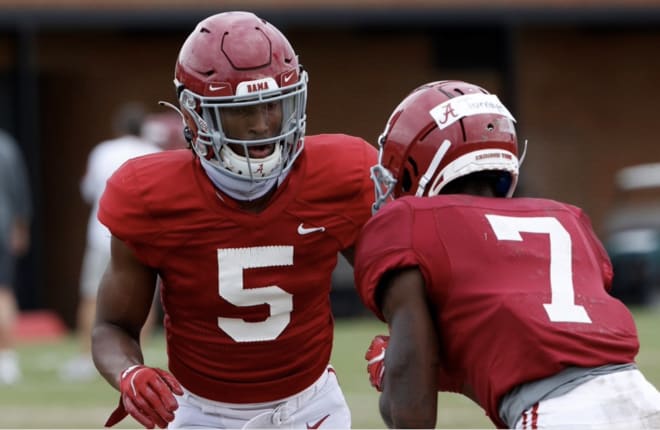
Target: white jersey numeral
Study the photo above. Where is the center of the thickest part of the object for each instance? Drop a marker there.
(562, 307)
(231, 263)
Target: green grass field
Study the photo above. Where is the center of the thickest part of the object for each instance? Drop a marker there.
(42, 400)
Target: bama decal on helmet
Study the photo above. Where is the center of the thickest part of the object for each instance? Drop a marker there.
(255, 86)
(450, 111)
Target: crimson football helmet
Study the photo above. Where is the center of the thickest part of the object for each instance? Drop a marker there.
(236, 59)
(440, 132)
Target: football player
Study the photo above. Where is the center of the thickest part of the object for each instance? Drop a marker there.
(502, 299)
(102, 161)
(244, 231)
(164, 129)
(15, 239)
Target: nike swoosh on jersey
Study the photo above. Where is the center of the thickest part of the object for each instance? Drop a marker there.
(318, 423)
(302, 230)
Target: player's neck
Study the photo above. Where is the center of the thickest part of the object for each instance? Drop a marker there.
(253, 206)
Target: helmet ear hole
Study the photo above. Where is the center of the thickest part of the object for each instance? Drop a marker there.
(406, 181)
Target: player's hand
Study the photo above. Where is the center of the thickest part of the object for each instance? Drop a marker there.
(375, 357)
(147, 394)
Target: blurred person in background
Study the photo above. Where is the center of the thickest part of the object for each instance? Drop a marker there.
(15, 218)
(103, 160)
(505, 300)
(164, 129)
(244, 231)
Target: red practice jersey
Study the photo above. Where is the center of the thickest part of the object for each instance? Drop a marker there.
(245, 296)
(519, 287)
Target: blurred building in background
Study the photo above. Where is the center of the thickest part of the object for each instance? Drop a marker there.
(580, 77)
(631, 233)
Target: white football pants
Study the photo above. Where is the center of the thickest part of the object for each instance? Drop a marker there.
(620, 400)
(321, 405)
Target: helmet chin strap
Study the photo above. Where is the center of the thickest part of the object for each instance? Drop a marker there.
(238, 189)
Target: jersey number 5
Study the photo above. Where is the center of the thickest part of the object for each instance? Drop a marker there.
(562, 307)
(231, 263)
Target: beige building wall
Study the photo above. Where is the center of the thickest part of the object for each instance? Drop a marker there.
(588, 103)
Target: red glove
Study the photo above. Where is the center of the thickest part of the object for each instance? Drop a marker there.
(147, 394)
(375, 357)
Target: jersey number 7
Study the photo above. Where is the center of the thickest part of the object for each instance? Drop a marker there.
(562, 307)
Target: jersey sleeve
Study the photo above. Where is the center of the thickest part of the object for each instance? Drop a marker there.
(338, 190)
(366, 192)
(389, 242)
(385, 244)
(122, 209)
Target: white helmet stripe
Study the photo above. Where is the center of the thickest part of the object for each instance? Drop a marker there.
(437, 158)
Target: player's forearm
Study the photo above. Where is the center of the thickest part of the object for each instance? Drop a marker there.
(114, 350)
(408, 410)
(409, 398)
(384, 407)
